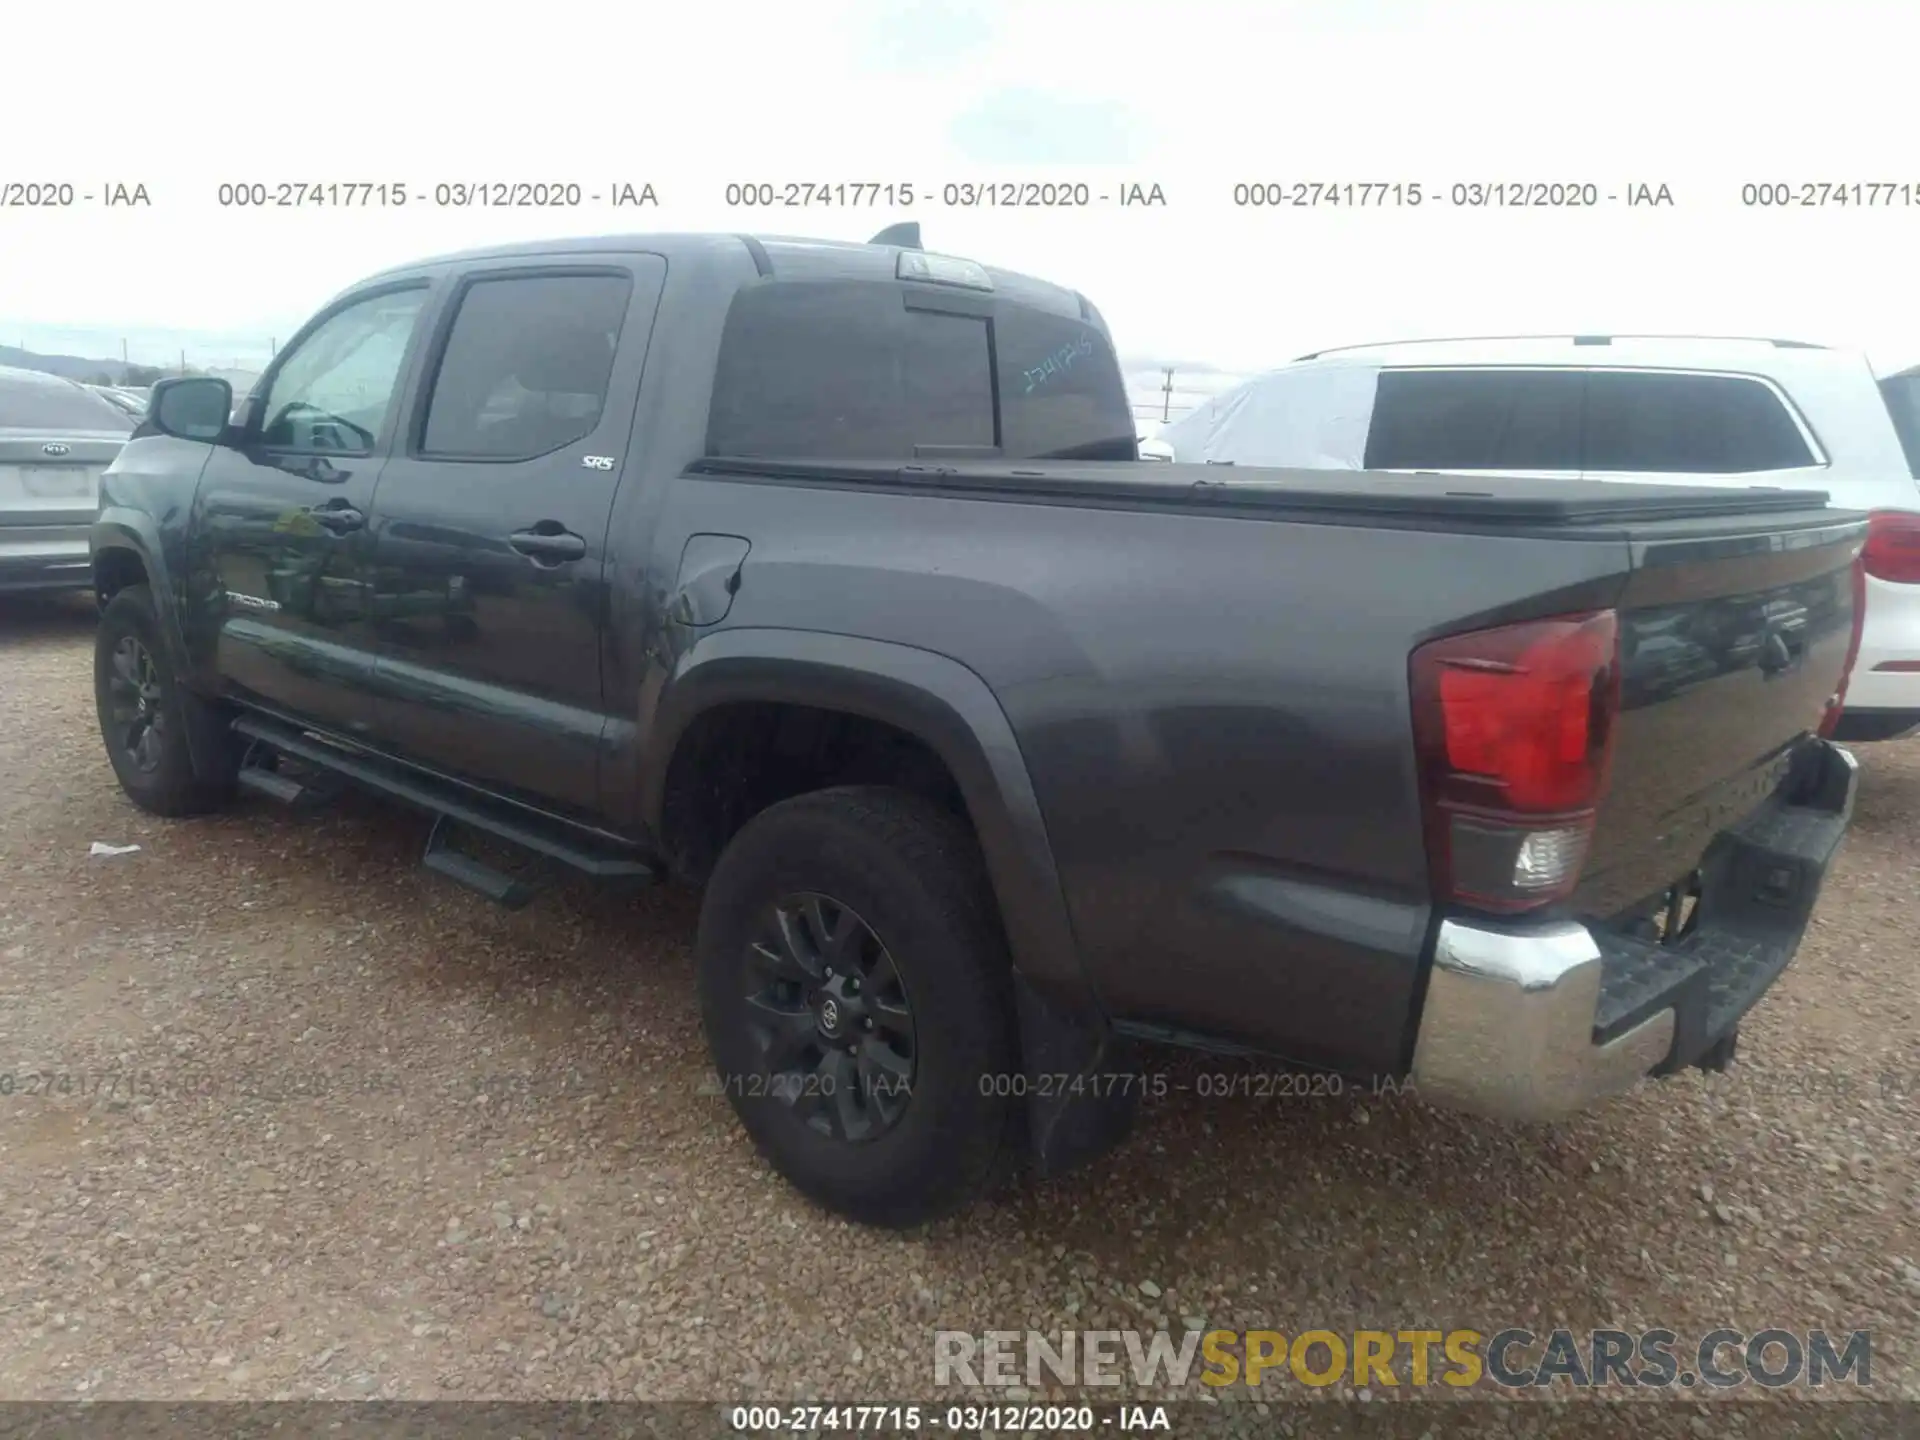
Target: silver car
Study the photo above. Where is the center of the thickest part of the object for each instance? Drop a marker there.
(126, 398)
(55, 439)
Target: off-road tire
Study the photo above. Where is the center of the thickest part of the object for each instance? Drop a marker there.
(913, 873)
(161, 779)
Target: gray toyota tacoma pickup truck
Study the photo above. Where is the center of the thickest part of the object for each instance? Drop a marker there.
(826, 577)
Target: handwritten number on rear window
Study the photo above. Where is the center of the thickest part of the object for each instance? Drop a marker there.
(1058, 363)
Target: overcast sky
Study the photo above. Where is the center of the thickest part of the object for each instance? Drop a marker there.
(1193, 95)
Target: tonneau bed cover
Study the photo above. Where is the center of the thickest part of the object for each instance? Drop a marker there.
(1484, 499)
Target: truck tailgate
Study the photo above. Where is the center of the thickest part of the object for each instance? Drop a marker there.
(1733, 641)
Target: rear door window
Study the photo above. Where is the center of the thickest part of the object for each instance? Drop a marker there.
(1902, 393)
(526, 366)
(1477, 419)
(1676, 423)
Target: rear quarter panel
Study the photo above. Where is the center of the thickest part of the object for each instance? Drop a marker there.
(1213, 710)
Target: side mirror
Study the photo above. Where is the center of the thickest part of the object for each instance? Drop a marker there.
(193, 407)
(1156, 450)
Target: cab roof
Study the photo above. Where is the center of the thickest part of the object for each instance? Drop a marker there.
(779, 256)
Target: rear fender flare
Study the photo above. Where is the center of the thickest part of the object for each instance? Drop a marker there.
(937, 700)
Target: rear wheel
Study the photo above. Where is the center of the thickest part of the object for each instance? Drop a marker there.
(145, 712)
(854, 986)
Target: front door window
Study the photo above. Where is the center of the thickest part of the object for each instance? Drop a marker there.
(334, 391)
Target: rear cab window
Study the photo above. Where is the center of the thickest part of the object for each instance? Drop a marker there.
(865, 370)
(1575, 421)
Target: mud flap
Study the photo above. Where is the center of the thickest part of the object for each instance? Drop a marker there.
(1083, 1083)
(212, 749)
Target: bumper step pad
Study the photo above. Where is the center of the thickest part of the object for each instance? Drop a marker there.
(1757, 888)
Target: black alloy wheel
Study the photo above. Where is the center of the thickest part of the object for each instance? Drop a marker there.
(136, 706)
(856, 994)
(152, 725)
(830, 1014)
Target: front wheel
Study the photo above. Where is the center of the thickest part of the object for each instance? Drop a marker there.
(144, 712)
(855, 991)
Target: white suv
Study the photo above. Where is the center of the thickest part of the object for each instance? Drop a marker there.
(1648, 408)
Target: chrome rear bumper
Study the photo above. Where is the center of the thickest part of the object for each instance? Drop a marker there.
(1535, 1022)
(1507, 1031)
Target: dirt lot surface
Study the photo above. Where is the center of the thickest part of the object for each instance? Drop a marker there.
(291, 1116)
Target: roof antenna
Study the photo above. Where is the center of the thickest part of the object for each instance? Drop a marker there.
(906, 235)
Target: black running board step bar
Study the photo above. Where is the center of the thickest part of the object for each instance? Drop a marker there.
(439, 799)
(271, 784)
(441, 858)
(259, 772)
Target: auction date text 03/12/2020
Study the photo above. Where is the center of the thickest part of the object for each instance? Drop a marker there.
(1331, 194)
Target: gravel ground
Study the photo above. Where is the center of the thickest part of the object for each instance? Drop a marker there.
(387, 1140)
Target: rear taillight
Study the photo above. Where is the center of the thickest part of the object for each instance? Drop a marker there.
(1893, 547)
(1831, 720)
(1514, 728)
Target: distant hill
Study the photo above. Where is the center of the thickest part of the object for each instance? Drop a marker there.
(115, 372)
(74, 367)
